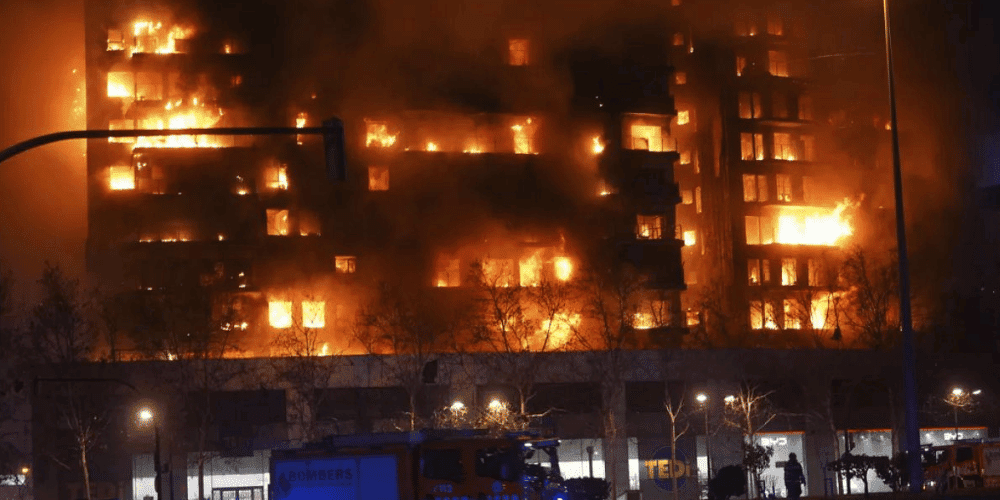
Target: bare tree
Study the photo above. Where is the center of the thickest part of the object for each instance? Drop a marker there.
(749, 411)
(870, 305)
(676, 413)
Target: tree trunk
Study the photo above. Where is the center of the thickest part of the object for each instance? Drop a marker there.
(673, 457)
(86, 469)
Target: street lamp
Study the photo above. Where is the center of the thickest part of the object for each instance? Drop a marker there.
(960, 399)
(146, 417)
(702, 400)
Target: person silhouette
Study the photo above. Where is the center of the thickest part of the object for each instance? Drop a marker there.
(794, 478)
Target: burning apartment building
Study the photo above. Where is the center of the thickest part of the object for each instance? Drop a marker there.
(531, 188)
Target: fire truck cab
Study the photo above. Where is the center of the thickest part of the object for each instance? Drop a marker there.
(972, 463)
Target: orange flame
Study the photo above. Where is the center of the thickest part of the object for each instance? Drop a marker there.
(813, 225)
(151, 38)
(378, 134)
(563, 268)
(598, 145)
(182, 117)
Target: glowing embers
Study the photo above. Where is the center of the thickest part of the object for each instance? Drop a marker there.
(647, 133)
(378, 135)
(313, 314)
(121, 178)
(121, 84)
(378, 178)
(517, 52)
(277, 222)
(604, 188)
(279, 313)
(431, 146)
(524, 136)
(276, 177)
(649, 227)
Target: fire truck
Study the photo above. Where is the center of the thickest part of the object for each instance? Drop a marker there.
(970, 463)
(427, 465)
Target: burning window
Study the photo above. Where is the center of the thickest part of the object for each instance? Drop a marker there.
(784, 187)
(762, 315)
(148, 86)
(646, 133)
(378, 179)
(604, 188)
(309, 224)
(498, 272)
(530, 269)
(649, 227)
(518, 51)
(685, 158)
(750, 106)
(813, 225)
(741, 65)
(277, 222)
(235, 81)
(563, 268)
(524, 136)
(793, 317)
(744, 25)
(377, 134)
(697, 199)
(779, 104)
(121, 178)
(805, 108)
(345, 264)
(652, 314)
(121, 124)
(753, 272)
(279, 313)
(815, 276)
(151, 37)
(597, 145)
(783, 147)
(448, 272)
(680, 77)
(759, 229)
(686, 197)
(690, 238)
(120, 84)
(777, 62)
(754, 188)
(678, 39)
(300, 122)
(775, 25)
(313, 314)
(752, 146)
(789, 274)
(116, 40)
(808, 148)
(683, 117)
(276, 177)
(692, 317)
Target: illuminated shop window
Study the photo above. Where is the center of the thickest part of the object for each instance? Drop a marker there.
(121, 178)
(777, 61)
(784, 443)
(277, 222)
(750, 105)
(279, 313)
(378, 179)
(783, 183)
(752, 146)
(789, 275)
(276, 177)
(649, 227)
(518, 51)
(313, 314)
(345, 264)
(121, 84)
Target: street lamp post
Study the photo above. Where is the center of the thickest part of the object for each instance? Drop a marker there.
(702, 400)
(146, 416)
(959, 399)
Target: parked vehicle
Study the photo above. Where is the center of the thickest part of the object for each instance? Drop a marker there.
(970, 463)
(426, 465)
